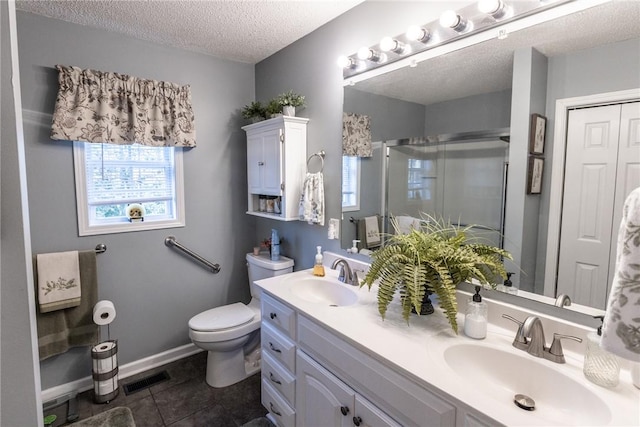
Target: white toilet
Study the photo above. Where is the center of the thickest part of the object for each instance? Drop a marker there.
(231, 333)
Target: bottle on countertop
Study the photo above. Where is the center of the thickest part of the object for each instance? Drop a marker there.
(507, 286)
(600, 366)
(318, 268)
(275, 245)
(475, 320)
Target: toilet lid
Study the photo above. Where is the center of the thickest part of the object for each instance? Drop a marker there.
(223, 317)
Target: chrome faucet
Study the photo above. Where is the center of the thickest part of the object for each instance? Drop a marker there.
(563, 300)
(346, 275)
(533, 331)
(530, 338)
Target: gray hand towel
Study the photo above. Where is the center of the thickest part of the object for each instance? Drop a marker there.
(60, 330)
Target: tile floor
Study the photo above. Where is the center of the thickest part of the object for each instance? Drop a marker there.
(185, 400)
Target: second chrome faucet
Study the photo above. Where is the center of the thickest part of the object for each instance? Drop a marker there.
(530, 338)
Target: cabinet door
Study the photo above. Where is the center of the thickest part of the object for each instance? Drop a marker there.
(272, 157)
(321, 399)
(369, 415)
(264, 162)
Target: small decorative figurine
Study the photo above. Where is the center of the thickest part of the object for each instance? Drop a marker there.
(135, 212)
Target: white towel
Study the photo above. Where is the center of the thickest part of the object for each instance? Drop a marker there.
(621, 330)
(311, 207)
(58, 280)
(406, 223)
(372, 232)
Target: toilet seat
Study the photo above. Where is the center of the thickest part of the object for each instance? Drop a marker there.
(221, 318)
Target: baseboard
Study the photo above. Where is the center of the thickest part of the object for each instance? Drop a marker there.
(127, 370)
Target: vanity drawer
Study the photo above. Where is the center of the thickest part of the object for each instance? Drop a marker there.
(279, 378)
(281, 412)
(278, 346)
(277, 314)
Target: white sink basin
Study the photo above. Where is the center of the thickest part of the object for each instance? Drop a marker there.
(502, 374)
(323, 291)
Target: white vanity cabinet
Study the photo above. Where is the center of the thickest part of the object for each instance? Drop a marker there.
(276, 165)
(323, 400)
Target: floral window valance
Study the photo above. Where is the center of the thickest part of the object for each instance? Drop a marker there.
(96, 106)
(356, 135)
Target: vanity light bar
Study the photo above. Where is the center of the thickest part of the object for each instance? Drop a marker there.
(452, 26)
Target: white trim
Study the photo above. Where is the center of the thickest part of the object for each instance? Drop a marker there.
(557, 172)
(26, 225)
(125, 371)
(85, 229)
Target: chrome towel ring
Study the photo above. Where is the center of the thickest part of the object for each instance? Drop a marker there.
(319, 154)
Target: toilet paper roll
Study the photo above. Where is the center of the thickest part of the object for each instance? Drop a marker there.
(103, 312)
(103, 365)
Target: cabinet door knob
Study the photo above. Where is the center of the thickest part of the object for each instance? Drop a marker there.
(260, 163)
(344, 410)
(273, 378)
(273, 315)
(274, 348)
(357, 421)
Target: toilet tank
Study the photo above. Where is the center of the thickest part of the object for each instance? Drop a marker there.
(261, 267)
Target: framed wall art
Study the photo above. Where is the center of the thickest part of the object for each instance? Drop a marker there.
(534, 178)
(537, 131)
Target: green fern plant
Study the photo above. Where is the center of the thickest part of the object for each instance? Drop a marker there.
(435, 258)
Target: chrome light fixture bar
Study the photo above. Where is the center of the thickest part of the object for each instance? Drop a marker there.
(452, 26)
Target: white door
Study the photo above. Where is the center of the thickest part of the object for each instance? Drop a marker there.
(601, 168)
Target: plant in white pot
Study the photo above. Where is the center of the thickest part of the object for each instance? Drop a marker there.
(289, 101)
(432, 259)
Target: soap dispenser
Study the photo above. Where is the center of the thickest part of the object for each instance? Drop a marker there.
(600, 366)
(318, 268)
(475, 320)
(508, 285)
(354, 247)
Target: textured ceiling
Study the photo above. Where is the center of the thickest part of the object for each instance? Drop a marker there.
(239, 30)
(487, 67)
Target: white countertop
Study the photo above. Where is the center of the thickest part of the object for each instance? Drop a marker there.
(416, 351)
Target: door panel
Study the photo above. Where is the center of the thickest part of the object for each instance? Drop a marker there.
(587, 216)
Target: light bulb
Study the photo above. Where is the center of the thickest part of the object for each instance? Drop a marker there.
(418, 33)
(345, 62)
(450, 19)
(365, 53)
(389, 44)
(490, 6)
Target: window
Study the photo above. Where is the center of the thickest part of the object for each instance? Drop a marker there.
(109, 177)
(350, 183)
(420, 179)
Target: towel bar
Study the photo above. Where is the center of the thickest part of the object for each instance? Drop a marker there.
(171, 242)
(101, 248)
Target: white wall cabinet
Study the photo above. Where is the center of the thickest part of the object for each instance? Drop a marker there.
(276, 165)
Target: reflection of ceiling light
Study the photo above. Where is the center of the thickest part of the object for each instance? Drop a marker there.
(389, 44)
(346, 62)
(451, 19)
(418, 33)
(495, 8)
(367, 54)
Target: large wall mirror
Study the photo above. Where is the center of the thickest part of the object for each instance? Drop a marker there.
(443, 144)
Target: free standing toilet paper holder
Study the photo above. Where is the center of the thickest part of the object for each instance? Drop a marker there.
(101, 352)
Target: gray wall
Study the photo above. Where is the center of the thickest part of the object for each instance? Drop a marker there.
(472, 113)
(309, 66)
(19, 372)
(155, 290)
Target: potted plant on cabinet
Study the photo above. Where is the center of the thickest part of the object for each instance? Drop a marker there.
(255, 112)
(273, 108)
(432, 259)
(289, 101)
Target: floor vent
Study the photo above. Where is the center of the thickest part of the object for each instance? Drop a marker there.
(145, 382)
